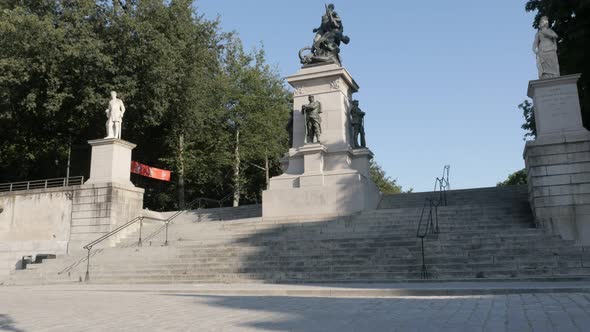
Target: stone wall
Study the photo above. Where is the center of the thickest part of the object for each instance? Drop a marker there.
(60, 221)
(559, 185)
(34, 222)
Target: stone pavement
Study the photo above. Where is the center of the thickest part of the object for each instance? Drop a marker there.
(181, 308)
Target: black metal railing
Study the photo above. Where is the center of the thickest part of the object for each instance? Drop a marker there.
(200, 202)
(42, 184)
(106, 236)
(428, 223)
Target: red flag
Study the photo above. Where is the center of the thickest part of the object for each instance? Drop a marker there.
(150, 172)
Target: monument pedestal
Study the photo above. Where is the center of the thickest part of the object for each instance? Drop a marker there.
(108, 199)
(558, 161)
(111, 161)
(328, 178)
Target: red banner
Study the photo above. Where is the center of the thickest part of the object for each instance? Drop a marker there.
(150, 172)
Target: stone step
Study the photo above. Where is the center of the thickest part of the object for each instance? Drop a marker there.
(360, 232)
(341, 267)
(336, 276)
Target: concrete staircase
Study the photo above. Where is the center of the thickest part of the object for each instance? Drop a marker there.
(485, 234)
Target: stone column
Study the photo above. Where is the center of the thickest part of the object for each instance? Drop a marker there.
(558, 160)
(330, 178)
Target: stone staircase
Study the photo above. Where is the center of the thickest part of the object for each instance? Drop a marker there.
(485, 234)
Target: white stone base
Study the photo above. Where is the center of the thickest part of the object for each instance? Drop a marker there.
(351, 193)
(559, 185)
(557, 106)
(311, 188)
(111, 161)
(558, 161)
(98, 209)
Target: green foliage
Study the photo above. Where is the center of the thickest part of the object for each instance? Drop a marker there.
(528, 112)
(571, 21)
(186, 85)
(386, 184)
(518, 177)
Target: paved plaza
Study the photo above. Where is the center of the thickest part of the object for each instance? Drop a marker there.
(169, 308)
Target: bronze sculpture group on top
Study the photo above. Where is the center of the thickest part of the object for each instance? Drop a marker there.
(326, 43)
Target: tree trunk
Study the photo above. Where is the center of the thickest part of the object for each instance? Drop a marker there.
(237, 170)
(266, 170)
(181, 202)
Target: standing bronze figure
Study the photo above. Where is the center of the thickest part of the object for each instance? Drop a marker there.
(357, 121)
(313, 120)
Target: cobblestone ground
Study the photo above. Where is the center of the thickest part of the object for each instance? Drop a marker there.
(23, 309)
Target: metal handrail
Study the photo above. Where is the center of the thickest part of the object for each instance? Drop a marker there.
(89, 246)
(167, 222)
(432, 205)
(41, 184)
(106, 236)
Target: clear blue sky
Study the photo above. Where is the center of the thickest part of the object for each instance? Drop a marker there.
(440, 80)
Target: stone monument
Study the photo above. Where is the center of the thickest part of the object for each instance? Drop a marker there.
(108, 198)
(324, 172)
(558, 160)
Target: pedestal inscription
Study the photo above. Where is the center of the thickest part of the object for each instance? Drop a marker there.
(557, 108)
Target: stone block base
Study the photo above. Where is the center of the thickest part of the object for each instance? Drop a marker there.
(558, 169)
(328, 194)
(99, 208)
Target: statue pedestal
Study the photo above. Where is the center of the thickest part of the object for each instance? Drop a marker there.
(557, 107)
(558, 161)
(111, 161)
(330, 178)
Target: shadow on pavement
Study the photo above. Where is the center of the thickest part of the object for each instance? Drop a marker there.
(7, 324)
(280, 313)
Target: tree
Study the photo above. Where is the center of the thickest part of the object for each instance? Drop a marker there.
(518, 177)
(528, 112)
(60, 59)
(256, 106)
(386, 184)
(571, 21)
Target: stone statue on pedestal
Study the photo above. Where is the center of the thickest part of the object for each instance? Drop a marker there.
(326, 43)
(115, 114)
(357, 122)
(313, 120)
(545, 47)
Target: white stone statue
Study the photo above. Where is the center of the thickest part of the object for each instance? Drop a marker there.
(115, 114)
(545, 47)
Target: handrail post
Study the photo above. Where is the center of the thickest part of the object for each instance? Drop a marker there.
(140, 226)
(28, 184)
(166, 241)
(436, 229)
(46, 184)
(87, 277)
(10, 188)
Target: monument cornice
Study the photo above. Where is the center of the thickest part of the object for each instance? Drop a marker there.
(106, 141)
(551, 81)
(317, 72)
